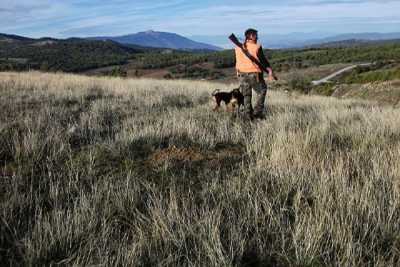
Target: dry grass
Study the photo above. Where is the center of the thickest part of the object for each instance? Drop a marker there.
(98, 171)
(387, 92)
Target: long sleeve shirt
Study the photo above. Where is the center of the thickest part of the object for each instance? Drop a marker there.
(263, 59)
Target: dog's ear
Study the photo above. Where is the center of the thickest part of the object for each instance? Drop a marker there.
(236, 92)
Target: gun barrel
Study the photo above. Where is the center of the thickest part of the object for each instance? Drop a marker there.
(235, 40)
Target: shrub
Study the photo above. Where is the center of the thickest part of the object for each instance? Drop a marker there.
(118, 72)
(373, 76)
(298, 82)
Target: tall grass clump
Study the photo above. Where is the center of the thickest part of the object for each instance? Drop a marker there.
(109, 171)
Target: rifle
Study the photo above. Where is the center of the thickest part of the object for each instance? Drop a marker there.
(236, 41)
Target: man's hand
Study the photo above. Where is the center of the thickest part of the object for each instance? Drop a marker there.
(271, 77)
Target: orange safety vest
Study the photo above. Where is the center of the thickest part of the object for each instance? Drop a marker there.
(243, 63)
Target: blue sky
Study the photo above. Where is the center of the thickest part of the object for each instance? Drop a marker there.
(37, 18)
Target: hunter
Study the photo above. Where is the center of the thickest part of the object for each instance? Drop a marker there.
(251, 76)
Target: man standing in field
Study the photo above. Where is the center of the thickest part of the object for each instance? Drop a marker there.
(251, 76)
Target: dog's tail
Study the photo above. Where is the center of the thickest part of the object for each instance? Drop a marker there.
(215, 91)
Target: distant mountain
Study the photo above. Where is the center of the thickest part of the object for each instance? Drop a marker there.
(14, 38)
(353, 43)
(299, 39)
(373, 36)
(268, 40)
(160, 40)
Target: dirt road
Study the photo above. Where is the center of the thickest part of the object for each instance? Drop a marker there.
(333, 75)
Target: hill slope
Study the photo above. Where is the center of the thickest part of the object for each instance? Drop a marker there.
(100, 171)
(72, 55)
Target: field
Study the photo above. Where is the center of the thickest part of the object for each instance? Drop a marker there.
(139, 172)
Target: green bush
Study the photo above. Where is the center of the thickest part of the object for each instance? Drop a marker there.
(373, 76)
(326, 89)
(298, 82)
(118, 72)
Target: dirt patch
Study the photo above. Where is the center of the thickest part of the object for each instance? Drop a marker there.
(342, 90)
(176, 154)
(396, 83)
(216, 156)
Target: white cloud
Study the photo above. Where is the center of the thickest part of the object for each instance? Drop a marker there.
(276, 18)
(84, 17)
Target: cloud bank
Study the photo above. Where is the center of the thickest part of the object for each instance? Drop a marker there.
(98, 17)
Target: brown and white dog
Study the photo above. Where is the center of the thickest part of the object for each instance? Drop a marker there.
(233, 99)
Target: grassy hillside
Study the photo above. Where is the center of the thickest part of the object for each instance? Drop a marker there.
(62, 55)
(101, 171)
(369, 76)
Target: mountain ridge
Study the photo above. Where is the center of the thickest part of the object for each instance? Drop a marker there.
(159, 39)
(300, 39)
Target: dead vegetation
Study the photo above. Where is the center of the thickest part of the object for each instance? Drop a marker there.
(387, 92)
(107, 171)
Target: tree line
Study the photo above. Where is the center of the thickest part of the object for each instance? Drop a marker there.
(80, 55)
